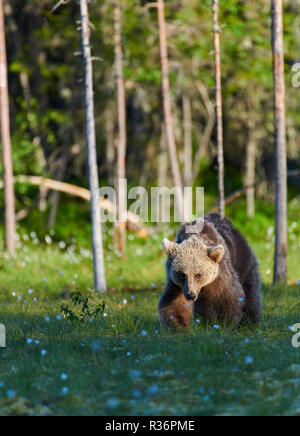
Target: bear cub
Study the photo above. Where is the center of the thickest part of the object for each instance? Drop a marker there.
(212, 274)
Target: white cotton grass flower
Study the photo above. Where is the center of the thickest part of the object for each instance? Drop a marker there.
(198, 321)
(249, 360)
(113, 403)
(64, 377)
(48, 239)
(128, 353)
(29, 341)
(11, 393)
(47, 319)
(65, 390)
(135, 374)
(216, 326)
(30, 291)
(144, 333)
(43, 353)
(96, 345)
(153, 390)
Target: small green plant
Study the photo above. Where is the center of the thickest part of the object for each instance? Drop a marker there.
(87, 313)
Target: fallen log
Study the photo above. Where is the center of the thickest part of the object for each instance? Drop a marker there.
(134, 223)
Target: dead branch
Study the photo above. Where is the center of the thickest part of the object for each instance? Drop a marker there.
(59, 4)
(134, 222)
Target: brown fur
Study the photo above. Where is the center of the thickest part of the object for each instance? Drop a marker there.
(213, 274)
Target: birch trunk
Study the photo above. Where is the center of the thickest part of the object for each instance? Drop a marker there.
(169, 128)
(120, 227)
(281, 244)
(163, 161)
(9, 197)
(98, 255)
(250, 169)
(217, 31)
(188, 144)
(110, 147)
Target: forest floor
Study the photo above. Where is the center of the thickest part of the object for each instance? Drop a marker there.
(121, 362)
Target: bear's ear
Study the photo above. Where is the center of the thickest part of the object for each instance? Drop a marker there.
(216, 253)
(169, 247)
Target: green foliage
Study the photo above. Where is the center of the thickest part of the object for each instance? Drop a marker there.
(87, 314)
(49, 54)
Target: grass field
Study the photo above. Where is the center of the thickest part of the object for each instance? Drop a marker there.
(121, 362)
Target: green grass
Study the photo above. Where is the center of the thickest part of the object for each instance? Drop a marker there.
(124, 363)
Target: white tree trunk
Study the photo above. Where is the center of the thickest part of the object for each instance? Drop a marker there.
(99, 270)
(110, 147)
(9, 197)
(188, 143)
(250, 169)
(120, 227)
(217, 31)
(281, 244)
(169, 127)
(163, 161)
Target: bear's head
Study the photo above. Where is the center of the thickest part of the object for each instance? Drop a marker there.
(194, 264)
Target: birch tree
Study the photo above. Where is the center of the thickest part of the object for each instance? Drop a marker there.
(98, 255)
(280, 264)
(217, 31)
(120, 227)
(169, 127)
(9, 198)
(188, 144)
(250, 165)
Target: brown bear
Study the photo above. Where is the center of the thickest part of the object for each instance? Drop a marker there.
(212, 273)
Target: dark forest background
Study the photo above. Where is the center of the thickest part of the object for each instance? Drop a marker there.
(46, 88)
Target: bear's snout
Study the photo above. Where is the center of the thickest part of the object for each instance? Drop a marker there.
(191, 296)
(189, 292)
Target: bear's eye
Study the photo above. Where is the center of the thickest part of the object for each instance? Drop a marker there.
(198, 276)
(182, 276)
